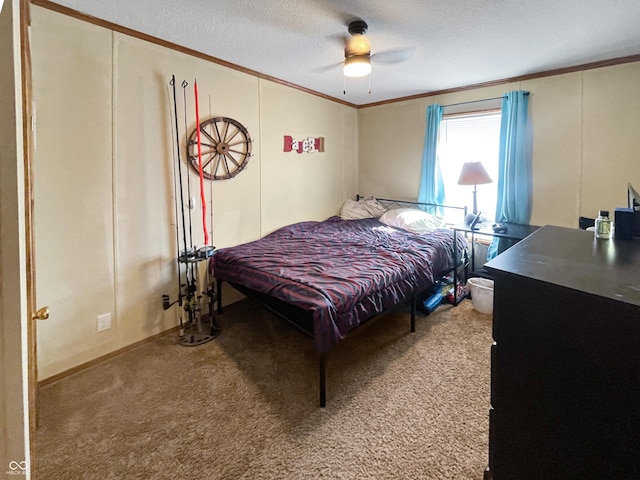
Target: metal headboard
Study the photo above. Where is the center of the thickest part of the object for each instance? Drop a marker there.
(392, 203)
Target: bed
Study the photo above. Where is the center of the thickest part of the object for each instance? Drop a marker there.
(329, 277)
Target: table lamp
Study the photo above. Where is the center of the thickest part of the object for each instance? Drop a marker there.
(473, 173)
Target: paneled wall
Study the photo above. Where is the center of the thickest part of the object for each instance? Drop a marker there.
(585, 148)
(299, 186)
(104, 173)
(74, 217)
(105, 224)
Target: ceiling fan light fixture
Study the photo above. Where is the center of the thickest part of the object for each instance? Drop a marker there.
(357, 65)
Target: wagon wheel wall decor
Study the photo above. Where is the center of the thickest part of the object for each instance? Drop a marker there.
(225, 146)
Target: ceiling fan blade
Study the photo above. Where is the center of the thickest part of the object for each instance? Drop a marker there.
(326, 68)
(395, 55)
(339, 40)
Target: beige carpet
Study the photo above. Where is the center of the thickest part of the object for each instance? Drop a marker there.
(400, 405)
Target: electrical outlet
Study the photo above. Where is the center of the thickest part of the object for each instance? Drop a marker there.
(104, 322)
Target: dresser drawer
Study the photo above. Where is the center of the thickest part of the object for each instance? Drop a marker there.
(514, 379)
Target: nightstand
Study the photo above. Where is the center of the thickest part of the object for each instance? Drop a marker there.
(514, 232)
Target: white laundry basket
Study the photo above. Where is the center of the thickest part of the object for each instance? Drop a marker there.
(481, 294)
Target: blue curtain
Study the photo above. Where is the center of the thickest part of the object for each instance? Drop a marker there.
(431, 183)
(514, 165)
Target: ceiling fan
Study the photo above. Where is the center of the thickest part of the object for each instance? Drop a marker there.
(357, 52)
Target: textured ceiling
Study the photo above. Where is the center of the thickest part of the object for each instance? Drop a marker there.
(451, 43)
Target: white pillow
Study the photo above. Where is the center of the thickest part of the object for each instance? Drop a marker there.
(367, 207)
(412, 219)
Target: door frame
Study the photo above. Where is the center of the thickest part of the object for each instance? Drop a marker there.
(16, 438)
(27, 146)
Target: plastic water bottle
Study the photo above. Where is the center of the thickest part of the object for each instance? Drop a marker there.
(603, 225)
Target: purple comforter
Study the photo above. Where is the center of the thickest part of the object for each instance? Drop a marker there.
(343, 271)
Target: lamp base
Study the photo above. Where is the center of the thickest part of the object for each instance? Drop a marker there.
(469, 218)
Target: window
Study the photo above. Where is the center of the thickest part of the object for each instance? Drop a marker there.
(464, 138)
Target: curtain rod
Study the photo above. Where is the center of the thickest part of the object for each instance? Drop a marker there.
(477, 101)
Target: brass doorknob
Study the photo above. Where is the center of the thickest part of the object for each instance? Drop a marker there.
(41, 314)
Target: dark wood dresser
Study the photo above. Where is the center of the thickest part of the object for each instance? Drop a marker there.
(565, 363)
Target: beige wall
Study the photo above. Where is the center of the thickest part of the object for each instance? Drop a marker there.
(611, 145)
(74, 227)
(302, 186)
(14, 437)
(104, 206)
(391, 139)
(105, 228)
(585, 145)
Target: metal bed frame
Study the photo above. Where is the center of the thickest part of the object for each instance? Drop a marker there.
(301, 319)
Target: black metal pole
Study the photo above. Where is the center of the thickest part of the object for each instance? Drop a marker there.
(175, 114)
(323, 381)
(191, 249)
(166, 303)
(413, 312)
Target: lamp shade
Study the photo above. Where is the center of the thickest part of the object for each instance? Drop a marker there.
(473, 173)
(357, 65)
